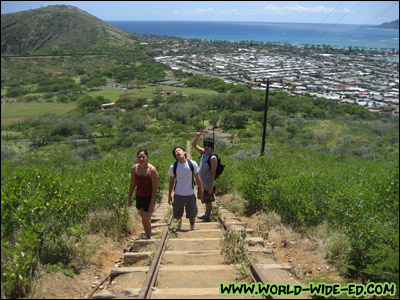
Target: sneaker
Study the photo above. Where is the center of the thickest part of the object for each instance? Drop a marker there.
(201, 216)
(191, 227)
(206, 219)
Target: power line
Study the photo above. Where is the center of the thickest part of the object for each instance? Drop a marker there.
(320, 23)
(354, 32)
(337, 22)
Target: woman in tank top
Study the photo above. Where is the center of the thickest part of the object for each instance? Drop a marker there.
(144, 177)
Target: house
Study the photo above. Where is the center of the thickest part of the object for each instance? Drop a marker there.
(107, 106)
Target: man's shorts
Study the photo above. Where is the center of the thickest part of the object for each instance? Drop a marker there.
(208, 197)
(143, 202)
(182, 202)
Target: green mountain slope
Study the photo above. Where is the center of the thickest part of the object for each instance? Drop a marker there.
(60, 27)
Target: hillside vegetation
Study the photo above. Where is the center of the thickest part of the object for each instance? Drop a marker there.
(66, 176)
(60, 28)
(339, 168)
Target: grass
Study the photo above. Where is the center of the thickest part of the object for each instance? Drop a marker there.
(15, 112)
(146, 92)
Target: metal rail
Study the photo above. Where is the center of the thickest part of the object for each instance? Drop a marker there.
(256, 273)
(151, 277)
(145, 292)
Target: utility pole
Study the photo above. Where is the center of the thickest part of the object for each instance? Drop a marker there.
(265, 117)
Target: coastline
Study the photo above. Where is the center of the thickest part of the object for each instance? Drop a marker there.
(297, 34)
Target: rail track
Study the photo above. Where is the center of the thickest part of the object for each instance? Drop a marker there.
(186, 264)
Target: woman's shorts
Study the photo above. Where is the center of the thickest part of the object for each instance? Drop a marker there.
(182, 202)
(143, 202)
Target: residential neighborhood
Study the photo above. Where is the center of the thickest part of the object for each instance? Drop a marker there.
(367, 78)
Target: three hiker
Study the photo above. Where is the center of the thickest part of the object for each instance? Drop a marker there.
(183, 172)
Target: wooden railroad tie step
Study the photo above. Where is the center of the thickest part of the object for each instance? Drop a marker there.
(257, 240)
(193, 268)
(235, 223)
(186, 224)
(185, 292)
(123, 294)
(132, 257)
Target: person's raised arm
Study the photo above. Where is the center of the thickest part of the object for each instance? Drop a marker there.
(194, 143)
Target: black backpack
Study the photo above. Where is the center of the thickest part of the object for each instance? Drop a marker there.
(220, 166)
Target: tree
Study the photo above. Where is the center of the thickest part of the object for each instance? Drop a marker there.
(62, 99)
(274, 120)
(89, 104)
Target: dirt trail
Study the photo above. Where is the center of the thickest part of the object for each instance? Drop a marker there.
(306, 259)
(192, 265)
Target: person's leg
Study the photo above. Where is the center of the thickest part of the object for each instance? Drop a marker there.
(208, 200)
(191, 210)
(146, 222)
(208, 210)
(178, 209)
(145, 213)
(192, 223)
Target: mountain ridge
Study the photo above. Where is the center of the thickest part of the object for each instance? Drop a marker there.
(61, 27)
(387, 25)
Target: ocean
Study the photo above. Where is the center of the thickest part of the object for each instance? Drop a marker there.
(335, 35)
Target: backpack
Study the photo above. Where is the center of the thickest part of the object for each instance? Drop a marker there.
(220, 166)
(191, 168)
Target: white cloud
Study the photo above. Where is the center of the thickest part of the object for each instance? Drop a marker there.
(269, 10)
(272, 8)
(197, 11)
(203, 11)
(289, 9)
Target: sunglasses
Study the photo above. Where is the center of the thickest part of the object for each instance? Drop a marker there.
(208, 145)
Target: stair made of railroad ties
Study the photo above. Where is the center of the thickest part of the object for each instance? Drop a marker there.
(128, 277)
(265, 259)
(192, 266)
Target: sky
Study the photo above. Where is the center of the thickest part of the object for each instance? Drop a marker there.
(333, 12)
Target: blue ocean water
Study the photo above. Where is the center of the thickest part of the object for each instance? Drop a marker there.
(335, 35)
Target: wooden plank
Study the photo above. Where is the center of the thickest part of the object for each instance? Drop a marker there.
(274, 266)
(261, 251)
(195, 239)
(153, 225)
(153, 220)
(133, 257)
(116, 294)
(141, 243)
(195, 268)
(105, 295)
(235, 223)
(257, 240)
(193, 292)
(124, 270)
(205, 252)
